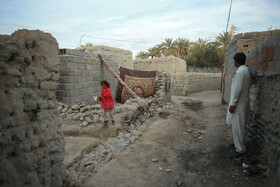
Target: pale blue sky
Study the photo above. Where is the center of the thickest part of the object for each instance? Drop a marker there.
(136, 24)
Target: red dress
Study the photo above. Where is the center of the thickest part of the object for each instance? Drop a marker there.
(106, 98)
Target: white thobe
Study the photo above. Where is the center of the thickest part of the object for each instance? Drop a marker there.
(239, 97)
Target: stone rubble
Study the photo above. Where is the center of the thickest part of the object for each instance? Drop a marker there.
(134, 115)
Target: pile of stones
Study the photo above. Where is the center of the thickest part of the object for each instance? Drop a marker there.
(134, 115)
(87, 114)
(102, 153)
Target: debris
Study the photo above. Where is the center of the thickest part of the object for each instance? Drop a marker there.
(154, 160)
(160, 168)
(168, 170)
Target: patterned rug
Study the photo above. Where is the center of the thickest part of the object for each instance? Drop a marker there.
(141, 82)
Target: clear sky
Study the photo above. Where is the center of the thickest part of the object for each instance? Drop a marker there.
(136, 25)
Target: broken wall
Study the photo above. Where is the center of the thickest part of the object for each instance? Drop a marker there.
(31, 140)
(265, 129)
(188, 82)
(81, 74)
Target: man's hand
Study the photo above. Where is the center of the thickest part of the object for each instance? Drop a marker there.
(231, 109)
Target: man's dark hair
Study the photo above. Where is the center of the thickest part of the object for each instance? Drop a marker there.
(105, 82)
(240, 58)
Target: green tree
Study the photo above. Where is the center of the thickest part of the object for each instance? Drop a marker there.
(168, 47)
(182, 46)
(154, 52)
(142, 55)
(223, 38)
(204, 54)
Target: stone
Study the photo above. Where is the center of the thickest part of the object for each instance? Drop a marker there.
(95, 118)
(89, 169)
(84, 124)
(104, 152)
(64, 110)
(59, 108)
(75, 107)
(70, 110)
(82, 164)
(88, 119)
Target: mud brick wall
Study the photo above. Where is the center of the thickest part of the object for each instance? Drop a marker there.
(188, 82)
(31, 144)
(170, 64)
(265, 103)
(243, 42)
(80, 76)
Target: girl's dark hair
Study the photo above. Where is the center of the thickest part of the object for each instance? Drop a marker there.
(105, 82)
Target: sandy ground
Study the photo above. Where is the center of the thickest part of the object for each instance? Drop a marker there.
(184, 146)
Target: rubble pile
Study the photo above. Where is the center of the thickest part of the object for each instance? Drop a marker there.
(87, 114)
(134, 114)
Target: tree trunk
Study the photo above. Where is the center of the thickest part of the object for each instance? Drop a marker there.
(133, 95)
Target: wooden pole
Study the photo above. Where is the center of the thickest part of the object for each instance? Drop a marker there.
(133, 95)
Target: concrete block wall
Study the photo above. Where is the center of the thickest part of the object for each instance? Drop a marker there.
(188, 82)
(121, 56)
(31, 139)
(265, 58)
(249, 40)
(80, 76)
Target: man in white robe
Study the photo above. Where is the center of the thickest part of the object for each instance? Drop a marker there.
(239, 106)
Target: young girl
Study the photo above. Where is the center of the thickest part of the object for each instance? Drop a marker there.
(107, 102)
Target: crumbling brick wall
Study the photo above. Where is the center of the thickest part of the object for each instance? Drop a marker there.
(81, 74)
(265, 129)
(188, 82)
(31, 140)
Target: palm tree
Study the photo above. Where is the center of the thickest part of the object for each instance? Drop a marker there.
(201, 43)
(142, 55)
(182, 46)
(154, 52)
(223, 38)
(168, 47)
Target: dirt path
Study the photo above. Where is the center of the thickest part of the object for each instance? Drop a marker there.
(184, 146)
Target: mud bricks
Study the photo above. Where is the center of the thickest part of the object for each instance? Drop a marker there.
(265, 58)
(31, 140)
(80, 76)
(264, 128)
